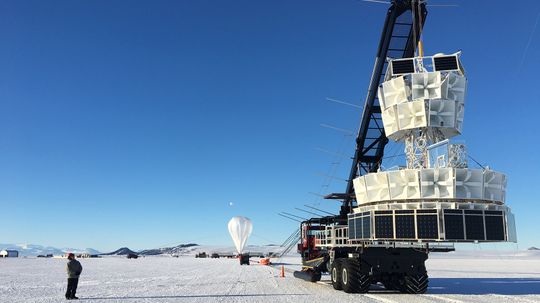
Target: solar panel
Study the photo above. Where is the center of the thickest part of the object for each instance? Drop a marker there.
(384, 227)
(445, 63)
(474, 227)
(428, 228)
(494, 228)
(405, 66)
(405, 227)
(366, 227)
(352, 228)
(453, 225)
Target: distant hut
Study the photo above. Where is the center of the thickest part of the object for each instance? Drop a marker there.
(7, 253)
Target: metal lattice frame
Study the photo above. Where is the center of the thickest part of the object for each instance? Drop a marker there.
(398, 40)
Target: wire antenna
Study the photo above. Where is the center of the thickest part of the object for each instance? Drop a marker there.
(345, 131)
(292, 215)
(342, 102)
(316, 194)
(307, 211)
(331, 152)
(331, 177)
(284, 216)
(320, 210)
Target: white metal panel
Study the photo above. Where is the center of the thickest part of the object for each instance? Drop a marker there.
(390, 120)
(360, 190)
(395, 91)
(437, 183)
(457, 86)
(460, 112)
(511, 232)
(404, 184)
(469, 183)
(381, 97)
(442, 113)
(504, 188)
(427, 86)
(493, 185)
(377, 186)
(411, 115)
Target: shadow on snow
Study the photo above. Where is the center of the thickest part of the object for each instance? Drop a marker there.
(484, 286)
(190, 296)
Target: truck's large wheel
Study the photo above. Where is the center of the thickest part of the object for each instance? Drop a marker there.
(416, 283)
(335, 274)
(365, 282)
(353, 279)
(349, 276)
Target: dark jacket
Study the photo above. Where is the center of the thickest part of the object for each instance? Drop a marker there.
(73, 268)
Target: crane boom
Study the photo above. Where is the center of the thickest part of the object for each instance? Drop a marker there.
(400, 35)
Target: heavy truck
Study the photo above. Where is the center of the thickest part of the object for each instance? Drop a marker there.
(390, 220)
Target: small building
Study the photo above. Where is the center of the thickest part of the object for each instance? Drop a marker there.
(8, 253)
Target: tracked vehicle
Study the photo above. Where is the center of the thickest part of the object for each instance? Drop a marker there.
(390, 220)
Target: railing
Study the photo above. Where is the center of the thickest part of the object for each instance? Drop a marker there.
(332, 236)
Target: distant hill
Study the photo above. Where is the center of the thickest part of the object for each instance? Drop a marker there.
(175, 250)
(533, 248)
(32, 250)
(120, 252)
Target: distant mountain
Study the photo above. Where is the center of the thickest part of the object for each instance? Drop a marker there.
(92, 251)
(175, 250)
(29, 250)
(533, 248)
(120, 252)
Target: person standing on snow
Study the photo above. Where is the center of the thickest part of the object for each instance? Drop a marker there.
(74, 269)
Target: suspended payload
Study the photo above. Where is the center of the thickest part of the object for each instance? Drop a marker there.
(240, 229)
(436, 196)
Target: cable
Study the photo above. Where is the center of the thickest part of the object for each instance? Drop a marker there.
(476, 161)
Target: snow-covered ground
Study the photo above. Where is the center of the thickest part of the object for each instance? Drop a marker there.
(454, 278)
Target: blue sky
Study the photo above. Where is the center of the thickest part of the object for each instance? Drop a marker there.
(136, 123)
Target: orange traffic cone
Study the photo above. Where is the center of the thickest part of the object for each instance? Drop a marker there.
(282, 272)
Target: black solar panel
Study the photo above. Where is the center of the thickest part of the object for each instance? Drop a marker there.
(352, 230)
(442, 63)
(426, 211)
(453, 211)
(474, 227)
(384, 227)
(453, 226)
(403, 66)
(405, 211)
(428, 227)
(494, 228)
(366, 227)
(405, 227)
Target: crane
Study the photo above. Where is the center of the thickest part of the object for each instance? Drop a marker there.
(390, 220)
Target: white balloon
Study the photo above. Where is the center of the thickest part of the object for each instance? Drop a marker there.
(240, 228)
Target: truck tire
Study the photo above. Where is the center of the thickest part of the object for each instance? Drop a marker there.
(365, 282)
(416, 283)
(335, 274)
(353, 280)
(350, 281)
